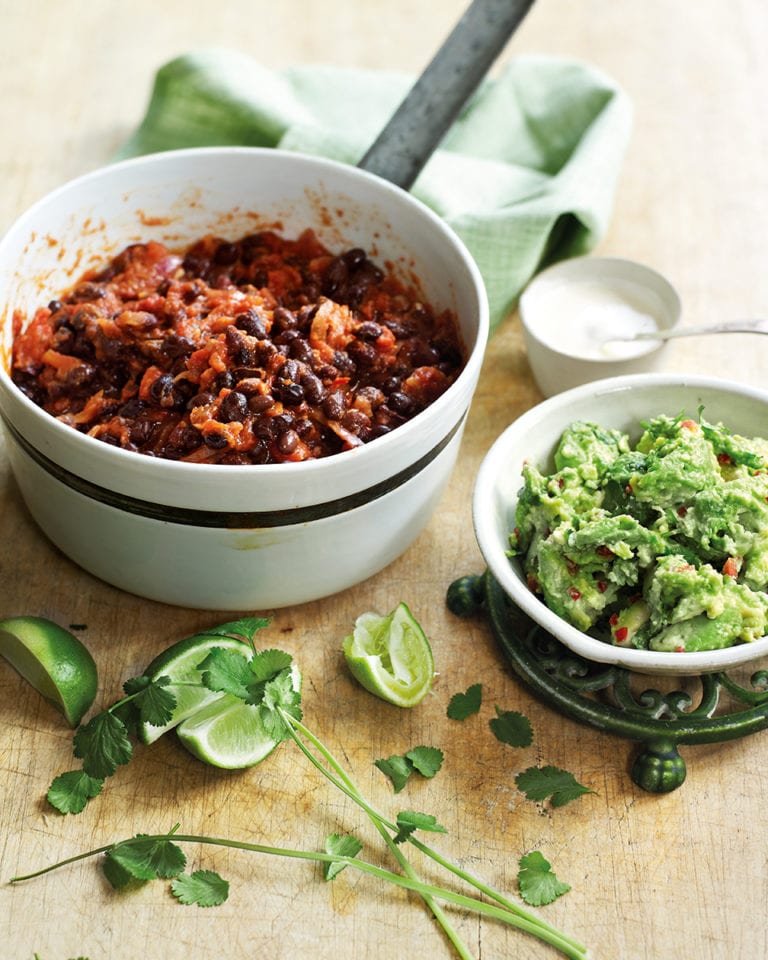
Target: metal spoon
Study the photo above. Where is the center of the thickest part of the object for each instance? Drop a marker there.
(437, 97)
(730, 326)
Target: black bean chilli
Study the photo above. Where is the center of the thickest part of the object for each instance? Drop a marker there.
(263, 350)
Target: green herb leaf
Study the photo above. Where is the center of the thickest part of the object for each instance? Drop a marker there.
(427, 760)
(340, 846)
(247, 628)
(512, 728)
(102, 744)
(154, 703)
(225, 671)
(71, 791)
(409, 820)
(538, 884)
(538, 783)
(463, 705)
(118, 877)
(203, 887)
(397, 768)
(147, 858)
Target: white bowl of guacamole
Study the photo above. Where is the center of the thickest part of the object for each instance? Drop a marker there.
(629, 519)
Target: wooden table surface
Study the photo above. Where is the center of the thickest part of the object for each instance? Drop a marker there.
(682, 874)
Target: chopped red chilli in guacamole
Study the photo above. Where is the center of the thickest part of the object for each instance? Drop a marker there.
(263, 350)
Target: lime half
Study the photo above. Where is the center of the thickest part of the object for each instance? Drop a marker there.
(180, 662)
(391, 657)
(53, 661)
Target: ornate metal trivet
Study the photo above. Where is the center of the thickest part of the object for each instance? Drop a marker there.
(706, 709)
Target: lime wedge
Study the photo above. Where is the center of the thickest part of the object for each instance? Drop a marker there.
(227, 733)
(180, 662)
(54, 661)
(218, 728)
(391, 657)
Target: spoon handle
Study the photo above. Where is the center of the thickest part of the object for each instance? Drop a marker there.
(730, 326)
(435, 100)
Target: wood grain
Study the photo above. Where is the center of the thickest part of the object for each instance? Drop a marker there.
(652, 877)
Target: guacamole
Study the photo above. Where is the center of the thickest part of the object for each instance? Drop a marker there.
(660, 545)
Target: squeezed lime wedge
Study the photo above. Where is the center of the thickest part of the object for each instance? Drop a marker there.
(391, 657)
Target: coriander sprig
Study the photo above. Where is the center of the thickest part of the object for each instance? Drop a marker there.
(264, 680)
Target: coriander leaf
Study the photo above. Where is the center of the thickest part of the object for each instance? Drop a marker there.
(203, 887)
(146, 858)
(247, 627)
(154, 703)
(538, 783)
(118, 877)
(69, 792)
(463, 705)
(225, 671)
(267, 664)
(340, 846)
(398, 769)
(280, 691)
(427, 760)
(410, 820)
(538, 884)
(512, 728)
(102, 744)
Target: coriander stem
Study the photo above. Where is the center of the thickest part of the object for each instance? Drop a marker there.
(407, 883)
(347, 785)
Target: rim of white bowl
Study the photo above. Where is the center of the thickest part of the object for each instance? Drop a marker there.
(169, 472)
(506, 571)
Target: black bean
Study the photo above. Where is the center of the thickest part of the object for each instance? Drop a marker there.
(259, 453)
(333, 406)
(291, 394)
(301, 350)
(161, 391)
(177, 346)
(283, 422)
(224, 380)
(226, 254)
(313, 388)
(265, 428)
(234, 407)
(368, 330)
(399, 402)
(288, 441)
(215, 441)
(131, 408)
(362, 353)
(354, 257)
(260, 403)
(289, 370)
(283, 319)
(55, 305)
(336, 277)
(304, 427)
(286, 338)
(355, 421)
(200, 400)
(252, 324)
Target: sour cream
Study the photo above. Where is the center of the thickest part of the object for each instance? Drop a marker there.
(587, 318)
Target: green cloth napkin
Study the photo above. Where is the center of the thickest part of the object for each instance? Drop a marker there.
(525, 176)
